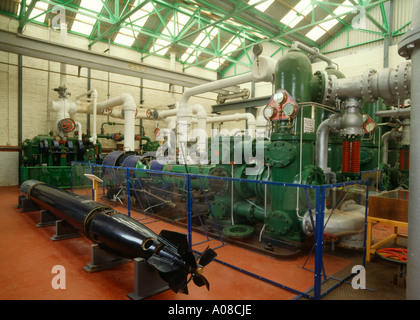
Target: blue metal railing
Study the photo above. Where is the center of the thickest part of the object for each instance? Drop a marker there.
(320, 191)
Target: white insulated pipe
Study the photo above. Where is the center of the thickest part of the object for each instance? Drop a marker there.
(129, 105)
(260, 72)
(385, 139)
(63, 66)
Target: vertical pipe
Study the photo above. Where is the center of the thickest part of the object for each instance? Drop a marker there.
(20, 108)
(413, 245)
(413, 242)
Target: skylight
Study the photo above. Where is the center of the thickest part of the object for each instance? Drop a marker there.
(126, 37)
(140, 17)
(318, 31)
(261, 7)
(84, 24)
(40, 8)
(215, 63)
(296, 15)
(202, 40)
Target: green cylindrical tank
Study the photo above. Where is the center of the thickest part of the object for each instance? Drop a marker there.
(294, 74)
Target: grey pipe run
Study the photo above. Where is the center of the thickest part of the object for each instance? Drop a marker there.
(392, 85)
(400, 113)
(409, 48)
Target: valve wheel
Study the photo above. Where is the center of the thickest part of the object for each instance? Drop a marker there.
(156, 132)
(67, 125)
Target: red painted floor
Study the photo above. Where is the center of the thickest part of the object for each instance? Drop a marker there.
(27, 256)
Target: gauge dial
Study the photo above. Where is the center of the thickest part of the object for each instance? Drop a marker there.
(269, 112)
(279, 97)
(289, 109)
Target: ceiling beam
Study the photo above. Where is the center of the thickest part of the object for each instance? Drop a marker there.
(41, 49)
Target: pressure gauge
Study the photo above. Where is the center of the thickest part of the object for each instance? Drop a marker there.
(289, 110)
(279, 97)
(269, 112)
(370, 127)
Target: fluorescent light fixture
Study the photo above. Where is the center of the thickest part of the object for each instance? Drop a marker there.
(262, 6)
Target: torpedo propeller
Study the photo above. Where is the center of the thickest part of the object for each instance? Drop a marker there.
(178, 272)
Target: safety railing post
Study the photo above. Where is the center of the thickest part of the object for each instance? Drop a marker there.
(127, 177)
(319, 235)
(189, 210)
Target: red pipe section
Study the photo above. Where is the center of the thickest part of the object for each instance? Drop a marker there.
(402, 156)
(346, 156)
(355, 156)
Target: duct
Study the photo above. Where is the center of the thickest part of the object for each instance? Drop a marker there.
(127, 101)
(314, 52)
(385, 139)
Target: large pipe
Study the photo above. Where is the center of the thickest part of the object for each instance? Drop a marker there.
(129, 105)
(392, 85)
(121, 235)
(322, 137)
(409, 48)
(386, 137)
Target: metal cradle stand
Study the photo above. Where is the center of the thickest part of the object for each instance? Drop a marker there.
(102, 260)
(147, 281)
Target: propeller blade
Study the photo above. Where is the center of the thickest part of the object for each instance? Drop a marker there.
(207, 257)
(178, 240)
(189, 258)
(178, 281)
(200, 281)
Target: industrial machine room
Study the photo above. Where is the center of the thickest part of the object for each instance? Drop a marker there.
(233, 152)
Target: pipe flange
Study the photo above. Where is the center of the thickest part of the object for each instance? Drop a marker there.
(238, 231)
(330, 90)
(367, 85)
(408, 43)
(403, 76)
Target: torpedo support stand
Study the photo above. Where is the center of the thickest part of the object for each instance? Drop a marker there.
(147, 281)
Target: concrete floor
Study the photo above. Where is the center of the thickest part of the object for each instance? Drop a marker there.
(28, 256)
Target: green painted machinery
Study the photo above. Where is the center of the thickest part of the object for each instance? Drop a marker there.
(48, 158)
